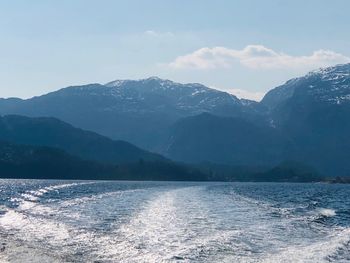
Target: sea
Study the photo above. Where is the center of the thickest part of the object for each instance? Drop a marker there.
(124, 221)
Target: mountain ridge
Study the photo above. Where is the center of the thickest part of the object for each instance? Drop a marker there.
(135, 111)
(309, 117)
(51, 132)
(330, 84)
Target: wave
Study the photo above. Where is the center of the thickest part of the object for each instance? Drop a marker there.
(49, 223)
(34, 195)
(187, 223)
(326, 212)
(325, 250)
(177, 225)
(30, 199)
(34, 223)
(299, 213)
(96, 197)
(158, 232)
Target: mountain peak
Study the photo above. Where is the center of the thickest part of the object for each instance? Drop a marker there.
(334, 73)
(115, 83)
(345, 68)
(329, 85)
(153, 79)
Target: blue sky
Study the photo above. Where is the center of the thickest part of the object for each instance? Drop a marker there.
(243, 47)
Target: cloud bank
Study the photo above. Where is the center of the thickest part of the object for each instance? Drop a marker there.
(255, 57)
(246, 94)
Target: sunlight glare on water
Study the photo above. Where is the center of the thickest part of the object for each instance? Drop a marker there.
(59, 221)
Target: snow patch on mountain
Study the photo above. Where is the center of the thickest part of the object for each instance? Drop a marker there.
(329, 85)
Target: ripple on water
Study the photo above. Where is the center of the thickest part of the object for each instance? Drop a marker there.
(174, 222)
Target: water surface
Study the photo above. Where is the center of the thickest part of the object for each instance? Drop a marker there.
(81, 221)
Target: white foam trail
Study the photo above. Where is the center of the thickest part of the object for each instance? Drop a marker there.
(25, 223)
(188, 224)
(32, 228)
(4, 259)
(327, 212)
(175, 225)
(18, 252)
(31, 221)
(3, 208)
(285, 212)
(320, 251)
(150, 236)
(34, 195)
(94, 198)
(30, 199)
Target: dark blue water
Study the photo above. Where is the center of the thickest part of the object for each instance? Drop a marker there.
(74, 221)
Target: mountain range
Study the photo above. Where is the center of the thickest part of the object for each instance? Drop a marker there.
(41, 162)
(306, 120)
(51, 132)
(134, 111)
(314, 112)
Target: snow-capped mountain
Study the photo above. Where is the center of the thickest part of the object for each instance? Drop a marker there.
(333, 84)
(328, 85)
(314, 112)
(155, 93)
(305, 120)
(132, 110)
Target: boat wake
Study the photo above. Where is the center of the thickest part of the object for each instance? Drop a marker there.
(79, 222)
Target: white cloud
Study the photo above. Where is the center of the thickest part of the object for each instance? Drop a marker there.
(156, 34)
(242, 94)
(256, 57)
(245, 94)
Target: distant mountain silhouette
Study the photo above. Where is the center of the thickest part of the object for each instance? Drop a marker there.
(286, 171)
(23, 161)
(37, 162)
(136, 111)
(314, 112)
(55, 133)
(225, 140)
(306, 120)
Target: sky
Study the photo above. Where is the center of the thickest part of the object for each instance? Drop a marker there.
(245, 47)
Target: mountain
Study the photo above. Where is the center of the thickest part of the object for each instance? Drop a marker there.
(26, 161)
(305, 120)
(308, 121)
(314, 112)
(225, 140)
(133, 110)
(55, 133)
(36, 162)
(326, 85)
(286, 171)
